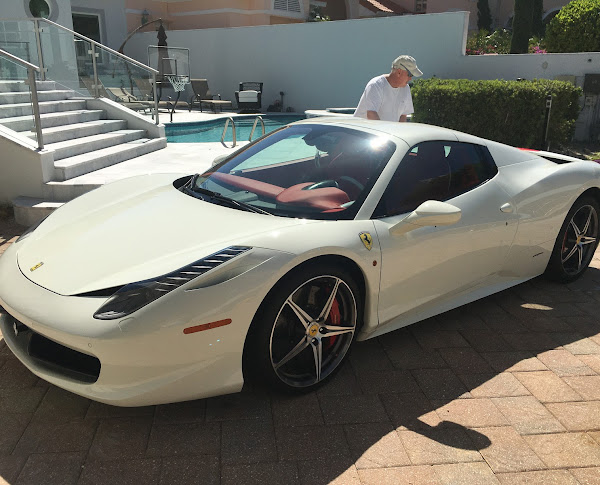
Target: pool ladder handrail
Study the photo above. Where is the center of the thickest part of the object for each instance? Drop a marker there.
(225, 131)
(262, 123)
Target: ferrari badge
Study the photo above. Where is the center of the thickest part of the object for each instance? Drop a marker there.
(36, 266)
(366, 239)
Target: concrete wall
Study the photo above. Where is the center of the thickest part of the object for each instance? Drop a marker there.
(316, 65)
(23, 168)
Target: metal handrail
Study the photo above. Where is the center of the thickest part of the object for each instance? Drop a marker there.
(102, 46)
(225, 131)
(94, 45)
(256, 120)
(35, 105)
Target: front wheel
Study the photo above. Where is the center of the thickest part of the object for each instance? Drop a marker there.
(305, 328)
(576, 242)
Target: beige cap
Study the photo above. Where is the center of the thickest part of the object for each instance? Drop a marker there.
(407, 63)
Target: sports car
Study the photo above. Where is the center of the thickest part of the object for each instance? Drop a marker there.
(270, 264)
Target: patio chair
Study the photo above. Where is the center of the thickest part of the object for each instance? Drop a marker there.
(203, 96)
(119, 95)
(249, 96)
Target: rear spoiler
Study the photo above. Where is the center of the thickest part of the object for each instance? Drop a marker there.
(556, 157)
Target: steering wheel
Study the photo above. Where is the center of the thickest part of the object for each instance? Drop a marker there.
(323, 184)
(353, 181)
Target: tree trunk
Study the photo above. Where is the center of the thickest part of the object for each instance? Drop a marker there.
(537, 25)
(484, 16)
(521, 26)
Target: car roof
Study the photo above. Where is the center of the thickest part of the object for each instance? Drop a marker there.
(411, 133)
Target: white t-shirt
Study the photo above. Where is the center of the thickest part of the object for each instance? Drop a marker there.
(389, 103)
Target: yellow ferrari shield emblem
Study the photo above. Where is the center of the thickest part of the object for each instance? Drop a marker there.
(36, 266)
(366, 239)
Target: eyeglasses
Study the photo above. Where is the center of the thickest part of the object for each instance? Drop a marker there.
(409, 73)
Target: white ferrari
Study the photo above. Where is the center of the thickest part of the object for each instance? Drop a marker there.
(269, 265)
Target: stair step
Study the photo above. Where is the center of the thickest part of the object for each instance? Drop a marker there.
(78, 130)
(92, 143)
(71, 167)
(23, 109)
(22, 86)
(25, 123)
(66, 191)
(29, 210)
(24, 97)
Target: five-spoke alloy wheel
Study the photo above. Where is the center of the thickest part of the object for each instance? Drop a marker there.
(306, 328)
(576, 242)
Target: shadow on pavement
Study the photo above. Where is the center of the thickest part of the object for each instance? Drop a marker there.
(428, 394)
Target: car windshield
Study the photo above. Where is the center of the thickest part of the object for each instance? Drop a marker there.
(307, 170)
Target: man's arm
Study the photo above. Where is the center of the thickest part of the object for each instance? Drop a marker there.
(403, 118)
(372, 115)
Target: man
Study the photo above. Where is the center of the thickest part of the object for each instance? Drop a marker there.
(387, 97)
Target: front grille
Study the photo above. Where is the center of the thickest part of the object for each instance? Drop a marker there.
(63, 360)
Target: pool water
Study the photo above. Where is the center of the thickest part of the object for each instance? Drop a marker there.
(211, 131)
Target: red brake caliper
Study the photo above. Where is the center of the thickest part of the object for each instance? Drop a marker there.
(335, 318)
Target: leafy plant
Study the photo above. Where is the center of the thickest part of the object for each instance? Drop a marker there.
(510, 112)
(498, 42)
(576, 28)
(315, 15)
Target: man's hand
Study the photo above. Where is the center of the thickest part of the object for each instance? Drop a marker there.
(372, 115)
(403, 118)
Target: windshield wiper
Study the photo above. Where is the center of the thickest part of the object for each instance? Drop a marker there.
(199, 191)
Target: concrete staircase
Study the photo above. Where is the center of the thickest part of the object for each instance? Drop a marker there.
(81, 136)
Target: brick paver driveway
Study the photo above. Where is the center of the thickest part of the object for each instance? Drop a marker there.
(505, 390)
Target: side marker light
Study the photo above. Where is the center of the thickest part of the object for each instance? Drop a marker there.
(207, 326)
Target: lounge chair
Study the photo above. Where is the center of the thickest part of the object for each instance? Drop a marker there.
(119, 95)
(203, 96)
(249, 96)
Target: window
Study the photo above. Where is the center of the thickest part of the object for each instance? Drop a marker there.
(88, 25)
(39, 8)
(420, 6)
(435, 170)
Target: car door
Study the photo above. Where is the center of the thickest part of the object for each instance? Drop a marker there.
(424, 267)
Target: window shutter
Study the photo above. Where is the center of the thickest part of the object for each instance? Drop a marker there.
(287, 5)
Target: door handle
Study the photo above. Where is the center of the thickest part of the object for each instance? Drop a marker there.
(508, 208)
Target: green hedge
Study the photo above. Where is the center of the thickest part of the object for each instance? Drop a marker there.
(510, 112)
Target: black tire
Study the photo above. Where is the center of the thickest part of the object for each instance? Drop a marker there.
(576, 242)
(302, 323)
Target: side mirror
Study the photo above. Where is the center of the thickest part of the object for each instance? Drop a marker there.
(219, 159)
(429, 213)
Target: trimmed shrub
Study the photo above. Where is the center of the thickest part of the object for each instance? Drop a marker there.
(576, 28)
(510, 112)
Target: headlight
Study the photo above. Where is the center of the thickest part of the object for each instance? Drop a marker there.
(134, 296)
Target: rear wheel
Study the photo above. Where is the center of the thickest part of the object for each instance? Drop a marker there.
(306, 327)
(576, 242)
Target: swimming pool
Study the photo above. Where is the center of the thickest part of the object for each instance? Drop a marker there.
(211, 131)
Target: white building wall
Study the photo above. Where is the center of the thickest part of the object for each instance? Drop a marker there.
(60, 10)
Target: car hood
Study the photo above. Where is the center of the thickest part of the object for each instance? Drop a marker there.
(131, 231)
